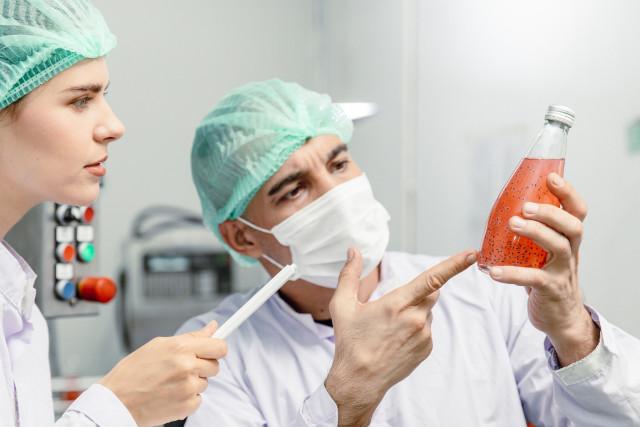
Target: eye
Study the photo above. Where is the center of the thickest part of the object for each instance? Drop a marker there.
(82, 103)
(340, 166)
(293, 194)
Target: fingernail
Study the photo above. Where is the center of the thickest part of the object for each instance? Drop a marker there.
(496, 272)
(530, 208)
(557, 180)
(471, 258)
(349, 254)
(517, 222)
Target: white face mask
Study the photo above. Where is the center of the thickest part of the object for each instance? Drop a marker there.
(320, 234)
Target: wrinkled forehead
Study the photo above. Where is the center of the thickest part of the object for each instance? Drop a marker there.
(314, 153)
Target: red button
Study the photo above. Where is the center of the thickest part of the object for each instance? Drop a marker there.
(99, 289)
(71, 395)
(87, 214)
(65, 252)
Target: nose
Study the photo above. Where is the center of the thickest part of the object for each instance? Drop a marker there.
(325, 181)
(110, 129)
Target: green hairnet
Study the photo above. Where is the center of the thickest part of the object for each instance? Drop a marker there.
(41, 38)
(248, 136)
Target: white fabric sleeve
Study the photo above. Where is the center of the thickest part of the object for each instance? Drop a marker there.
(318, 410)
(226, 401)
(97, 406)
(603, 389)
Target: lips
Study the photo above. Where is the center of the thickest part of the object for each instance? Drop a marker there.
(97, 168)
(98, 163)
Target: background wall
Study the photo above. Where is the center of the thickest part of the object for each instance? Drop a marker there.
(487, 73)
(462, 89)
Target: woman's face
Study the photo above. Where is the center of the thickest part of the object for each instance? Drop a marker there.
(54, 146)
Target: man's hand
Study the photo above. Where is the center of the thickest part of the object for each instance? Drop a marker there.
(163, 379)
(379, 343)
(555, 299)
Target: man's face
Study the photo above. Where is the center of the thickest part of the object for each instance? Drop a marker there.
(319, 165)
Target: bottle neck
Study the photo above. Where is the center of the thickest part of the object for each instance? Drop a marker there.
(555, 123)
(551, 142)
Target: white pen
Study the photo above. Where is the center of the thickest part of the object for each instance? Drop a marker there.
(255, 302)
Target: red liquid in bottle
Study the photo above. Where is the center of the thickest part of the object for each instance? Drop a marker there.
(501, 246)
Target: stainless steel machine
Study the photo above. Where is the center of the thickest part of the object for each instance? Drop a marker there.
(173, 269)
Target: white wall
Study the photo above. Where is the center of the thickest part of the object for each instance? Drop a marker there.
(370, 54)
(173, 62)
(487, 72)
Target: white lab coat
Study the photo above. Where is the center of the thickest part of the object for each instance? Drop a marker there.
(25, 379)
(488, 367)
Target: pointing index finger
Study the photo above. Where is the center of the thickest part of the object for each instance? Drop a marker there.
(434, 278)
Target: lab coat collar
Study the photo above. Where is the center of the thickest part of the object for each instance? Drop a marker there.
(16, 281)
(387, 282)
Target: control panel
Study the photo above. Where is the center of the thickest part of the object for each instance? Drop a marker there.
(60, 244)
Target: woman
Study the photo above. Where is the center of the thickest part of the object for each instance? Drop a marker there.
(55, 129)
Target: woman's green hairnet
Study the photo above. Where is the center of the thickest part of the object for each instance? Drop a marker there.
(41, 38)
(248, 136)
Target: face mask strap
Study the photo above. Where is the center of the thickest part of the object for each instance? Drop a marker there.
(255, 227)
(264, 230)
(272, 261)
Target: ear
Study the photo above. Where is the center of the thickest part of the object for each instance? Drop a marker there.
(240, 238)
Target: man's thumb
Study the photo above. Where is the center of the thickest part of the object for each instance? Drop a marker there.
(349, 279)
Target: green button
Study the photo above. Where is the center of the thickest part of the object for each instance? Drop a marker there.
(87, 252)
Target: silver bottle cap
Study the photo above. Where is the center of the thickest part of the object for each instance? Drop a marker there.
(561, 114)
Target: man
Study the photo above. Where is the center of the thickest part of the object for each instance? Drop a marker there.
(277, 185)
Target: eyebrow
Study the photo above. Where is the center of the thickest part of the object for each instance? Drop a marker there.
(296, 175)
(93, 87)
(286, 180)
(337, 150)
